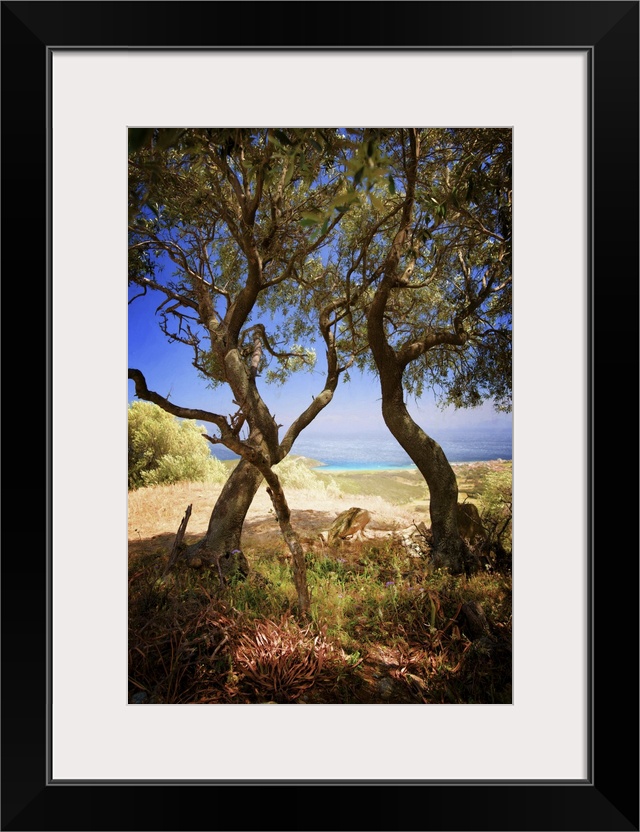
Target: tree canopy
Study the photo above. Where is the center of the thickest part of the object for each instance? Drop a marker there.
(391, 248)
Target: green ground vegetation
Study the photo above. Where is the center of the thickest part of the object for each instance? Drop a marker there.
(383, 625)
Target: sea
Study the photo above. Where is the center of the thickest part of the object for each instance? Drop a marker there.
(381, 451)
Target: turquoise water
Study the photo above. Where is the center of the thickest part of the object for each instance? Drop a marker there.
(363, 466)
(382, 452)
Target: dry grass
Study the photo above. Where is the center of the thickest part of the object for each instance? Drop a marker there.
(412, 639)
(385, 627)
(400, 501)
(281, 659)
(178, 642)
(158, 510)
(395, 501)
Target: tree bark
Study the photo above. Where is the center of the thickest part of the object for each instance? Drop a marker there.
(177, 543)
(449, 550)
(283, 515)
(228, 515)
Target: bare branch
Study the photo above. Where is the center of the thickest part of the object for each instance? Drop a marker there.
(143, 392)
(270, 349)
(146, 282)
(434, 338)
(141, 295)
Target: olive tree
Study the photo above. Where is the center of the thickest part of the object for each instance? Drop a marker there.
(237, 214)
(390, 247)
(433, 238)
(440, 314)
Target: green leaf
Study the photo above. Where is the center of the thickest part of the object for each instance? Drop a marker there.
(392, 185)
(314, 218)
(342, 202)
(282, 138)
(290, 169)
(358, 176)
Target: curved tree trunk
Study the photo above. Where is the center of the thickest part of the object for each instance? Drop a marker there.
(449, 549)
(228, 515)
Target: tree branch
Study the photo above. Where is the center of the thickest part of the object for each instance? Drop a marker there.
(143, 392)
(141, 295)
(145, 282)
(260, 328)
(331, 381)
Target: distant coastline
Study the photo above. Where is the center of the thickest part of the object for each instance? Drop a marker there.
(372, 468)
(359, 467)
(381, 452)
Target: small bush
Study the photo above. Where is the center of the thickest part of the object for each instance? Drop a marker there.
(164, 449)
(294, 473)
(280, 659)
(497, 502)
(384, 628)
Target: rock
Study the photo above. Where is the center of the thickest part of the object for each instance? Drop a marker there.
(385, 687)
(476, 624)
(416, 540)
(348, 524)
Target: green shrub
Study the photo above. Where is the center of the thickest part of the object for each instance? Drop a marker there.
(497, 503)
(164, 449)
(295, 473)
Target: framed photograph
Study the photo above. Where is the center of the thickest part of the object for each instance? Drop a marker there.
(563, 78)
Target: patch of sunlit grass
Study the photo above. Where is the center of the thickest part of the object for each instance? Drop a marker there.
(280, 659)
(158, 509)
(373, 607)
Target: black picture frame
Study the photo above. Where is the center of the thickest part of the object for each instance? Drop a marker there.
(608, 799)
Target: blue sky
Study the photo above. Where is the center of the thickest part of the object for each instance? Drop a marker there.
(355, 407)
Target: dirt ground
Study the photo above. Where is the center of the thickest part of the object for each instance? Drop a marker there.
(396, 501)
(156, 512)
